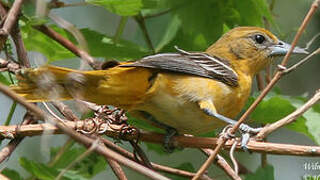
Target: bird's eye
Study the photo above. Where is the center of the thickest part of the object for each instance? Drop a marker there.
(259, 38)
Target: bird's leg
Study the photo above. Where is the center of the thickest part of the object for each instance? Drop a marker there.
(168, 146)
(170, 132)
(208, 108)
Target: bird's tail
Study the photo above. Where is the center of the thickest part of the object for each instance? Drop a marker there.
(116, 86)
(43, 84)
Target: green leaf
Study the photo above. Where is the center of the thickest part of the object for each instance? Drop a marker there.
(262, 173)
(252, 12)
(200, 17)
(103, 46)
(312, 117)
(12, 174)
(4, 79)
(275, 107)
(170, 33)
(39, 170)
(149, 4)
(316, 107)
(203, 22)
(88, 167)
(120, 7)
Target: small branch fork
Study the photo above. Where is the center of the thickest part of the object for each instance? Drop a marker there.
(266, 90)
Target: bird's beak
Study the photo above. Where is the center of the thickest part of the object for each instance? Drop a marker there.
(282, 48)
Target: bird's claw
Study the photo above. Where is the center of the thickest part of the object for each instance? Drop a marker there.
(247, 131)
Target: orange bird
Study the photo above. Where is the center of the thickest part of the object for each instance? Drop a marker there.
(184, 92)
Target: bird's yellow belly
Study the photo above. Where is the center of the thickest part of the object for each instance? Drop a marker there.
(174, 102)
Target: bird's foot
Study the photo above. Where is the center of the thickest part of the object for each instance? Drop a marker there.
(247, 131)
(167, 144)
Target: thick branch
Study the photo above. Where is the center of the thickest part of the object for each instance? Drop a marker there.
(11, 146)
(13, 131)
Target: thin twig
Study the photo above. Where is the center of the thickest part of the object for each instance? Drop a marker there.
(63, 5)
(51, 112)
(72, 29)
(10, 21)
(260, 83)
(264, 157)
(78, 159)
(311, 41)
(69, 45)
(11, 112)
(288, 70)
(66, 145)
(65, 110)
(275, 79)
(117, 170)
(141, 22)
(10, 66)
(122, 24)
(20, 47)
(223, 164)
(233, 159)
(159, 13)
(155, 166)
(290, 118)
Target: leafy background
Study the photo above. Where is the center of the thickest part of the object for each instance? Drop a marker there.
(111, 30)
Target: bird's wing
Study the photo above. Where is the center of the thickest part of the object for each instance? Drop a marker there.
(200, 64)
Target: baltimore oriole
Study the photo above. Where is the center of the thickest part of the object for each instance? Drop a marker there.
(190, 92)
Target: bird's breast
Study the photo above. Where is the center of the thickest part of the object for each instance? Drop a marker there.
(173, 100)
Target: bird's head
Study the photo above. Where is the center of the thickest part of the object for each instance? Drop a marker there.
(250, 48)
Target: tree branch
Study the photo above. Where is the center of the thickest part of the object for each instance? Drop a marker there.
(14, 131)
(222, 163)
(10, 21)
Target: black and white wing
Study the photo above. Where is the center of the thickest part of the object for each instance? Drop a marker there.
(199, 64)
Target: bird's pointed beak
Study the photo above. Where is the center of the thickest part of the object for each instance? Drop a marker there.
(282, 48)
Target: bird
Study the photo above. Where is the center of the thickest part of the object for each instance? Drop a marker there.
(182, 92)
